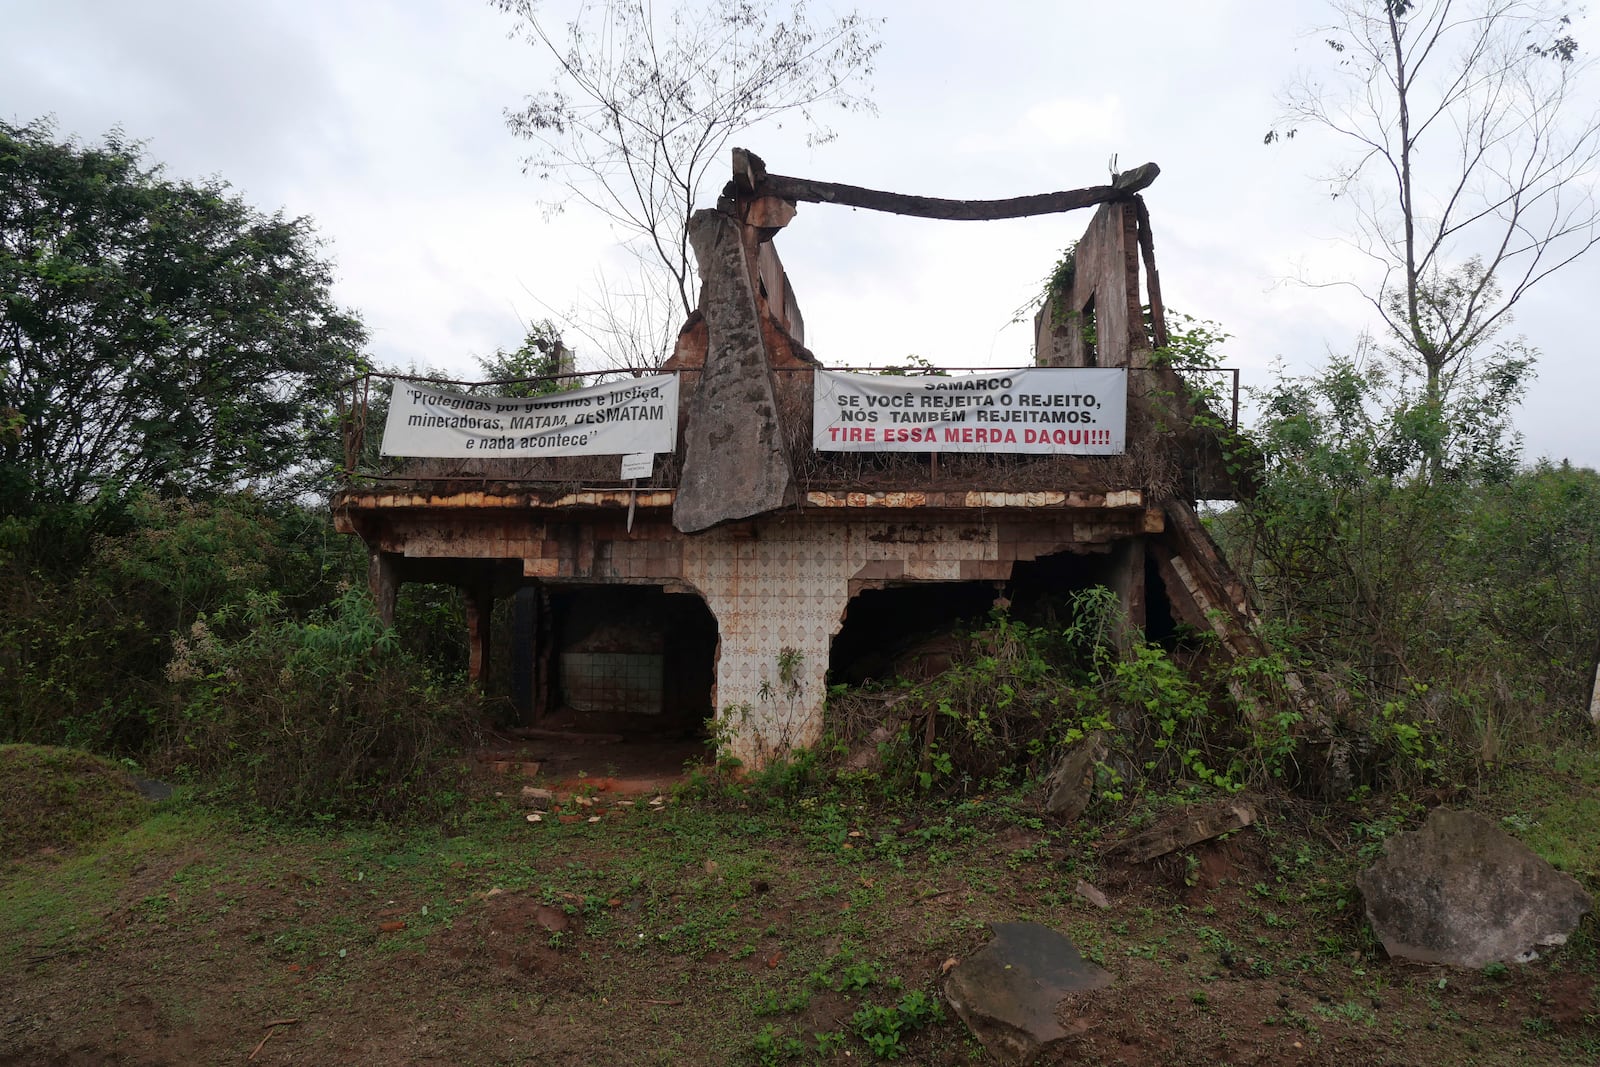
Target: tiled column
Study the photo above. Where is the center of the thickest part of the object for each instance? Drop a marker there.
(781, 595)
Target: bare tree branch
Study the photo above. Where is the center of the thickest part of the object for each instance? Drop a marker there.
(644, 101)
(1477, 150)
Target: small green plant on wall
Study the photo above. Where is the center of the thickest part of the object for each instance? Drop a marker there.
(782, 705)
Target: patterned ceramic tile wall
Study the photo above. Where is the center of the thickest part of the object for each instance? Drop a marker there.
(784, 583)
(778, 583)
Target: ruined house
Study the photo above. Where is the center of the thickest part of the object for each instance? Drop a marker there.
(731, 573)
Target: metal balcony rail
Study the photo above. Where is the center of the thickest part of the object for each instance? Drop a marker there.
(357, 406)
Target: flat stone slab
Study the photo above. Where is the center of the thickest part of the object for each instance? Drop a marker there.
(1462, 892)
(1008, 992)
(152, 790)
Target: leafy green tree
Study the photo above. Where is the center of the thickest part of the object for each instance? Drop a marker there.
(156, 332)
(1449, 617)
(532, 368)
(90, 598)
(1435, 596)
(1473, 140)
(1530, 559)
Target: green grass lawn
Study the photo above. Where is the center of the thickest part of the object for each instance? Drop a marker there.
(730, 927)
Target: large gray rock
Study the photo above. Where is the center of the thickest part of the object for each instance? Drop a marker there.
(1008, 992)
(1460, 891)
(735, 464)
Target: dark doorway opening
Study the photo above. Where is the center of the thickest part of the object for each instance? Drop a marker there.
(628, 660)
(1042, 589)
(905, 631)
(1160, 627)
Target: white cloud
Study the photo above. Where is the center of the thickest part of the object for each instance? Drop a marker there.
(383, 122)
(1063, 122)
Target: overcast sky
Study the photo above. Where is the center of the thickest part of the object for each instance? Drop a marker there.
(384, 123)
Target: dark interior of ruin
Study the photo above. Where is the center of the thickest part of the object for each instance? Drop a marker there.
(904, 630)
(629, 660)
(912, 631)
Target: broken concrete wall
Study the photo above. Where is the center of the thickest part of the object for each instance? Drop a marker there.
(779, 586)
(1200, 584)
(785, 583)
(1096, 318)
(1205, 593)
(1100, 302)
(1594, 694)
(778, 294)
(735, 463)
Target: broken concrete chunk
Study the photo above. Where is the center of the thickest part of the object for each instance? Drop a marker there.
(1092, 894)
(1462, 892)
(1071, 785)
(867, 757)
(1008, 992)
(769, 213)
(537, 799)
(1190, 827)
(735, 464)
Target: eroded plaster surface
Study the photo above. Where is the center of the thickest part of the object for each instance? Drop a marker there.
(779, 586)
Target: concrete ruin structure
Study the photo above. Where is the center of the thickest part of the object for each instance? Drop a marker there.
(749, 564)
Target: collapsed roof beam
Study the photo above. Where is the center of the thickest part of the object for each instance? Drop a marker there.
(750, 179)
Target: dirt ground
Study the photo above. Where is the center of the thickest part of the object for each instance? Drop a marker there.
(648, 928)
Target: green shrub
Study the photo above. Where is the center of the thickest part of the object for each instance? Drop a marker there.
(90, 598)
(1020, 691)
(313, 719)
(883, 1027)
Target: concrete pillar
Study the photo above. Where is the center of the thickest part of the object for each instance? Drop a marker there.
(783, 592)
(1127, 581)
(383, 582)
(525, 674)
(767, 703)
(480, 612)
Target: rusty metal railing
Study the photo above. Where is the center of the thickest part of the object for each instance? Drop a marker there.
(1233, 373)
(362, 461)
(355, 407)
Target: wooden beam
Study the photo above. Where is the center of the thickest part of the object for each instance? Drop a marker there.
(1190, 828)
(748, 170)
(1123, 186)
(1147, 249)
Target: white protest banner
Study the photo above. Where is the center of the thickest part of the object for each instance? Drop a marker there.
(631, 416)
(1045, 411)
